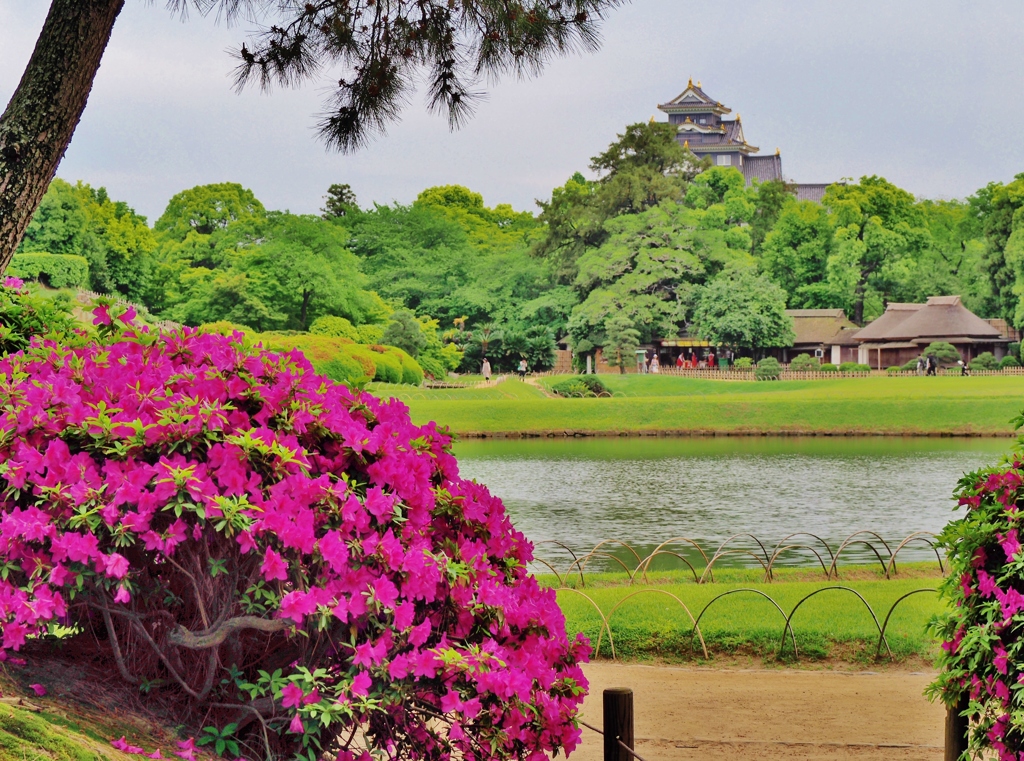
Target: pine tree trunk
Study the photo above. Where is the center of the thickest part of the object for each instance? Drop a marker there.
(37, 126)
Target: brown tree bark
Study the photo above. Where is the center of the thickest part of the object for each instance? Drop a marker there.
(37, 126)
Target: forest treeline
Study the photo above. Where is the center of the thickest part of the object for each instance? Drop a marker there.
(660, 243)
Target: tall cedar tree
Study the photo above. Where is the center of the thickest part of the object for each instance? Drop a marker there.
(383, 46)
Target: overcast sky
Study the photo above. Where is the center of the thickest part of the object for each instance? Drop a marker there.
(928, 93)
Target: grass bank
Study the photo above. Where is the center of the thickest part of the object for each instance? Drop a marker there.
(651, 622)
(672, 405)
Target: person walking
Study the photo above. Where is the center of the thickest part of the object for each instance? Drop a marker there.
(711, 360)
(965, 369)
(522, 369)
(930, 366)
(920, 365)
(655, 364)
(679, 361)
(486, 370)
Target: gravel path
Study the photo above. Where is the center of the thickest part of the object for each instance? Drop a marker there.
(683, 714)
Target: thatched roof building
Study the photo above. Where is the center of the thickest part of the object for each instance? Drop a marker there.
(905, 330)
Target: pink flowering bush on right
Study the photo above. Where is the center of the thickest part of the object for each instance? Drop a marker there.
(293, 563)
(982, 657)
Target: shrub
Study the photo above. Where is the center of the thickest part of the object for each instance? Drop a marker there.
(54, 270)
(24, 317)
(344, 369)
(412, 373)
(1014, 349)
(944, 353)
(389, 366)
(768, 369)
(854, 367)
(240, 515)
(743, 364)
(330, 325)
(804, 363)
(364, 357)
(370, 334)
(911, 365)
(985, 361)
(828, 367)
(581, 385)
(222, 328)
(1008, 361)
(981, 653)
(893, 369)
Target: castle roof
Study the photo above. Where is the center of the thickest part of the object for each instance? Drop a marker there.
(693, 99)
(764, 168)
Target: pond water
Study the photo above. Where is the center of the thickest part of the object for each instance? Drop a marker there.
(644, 491)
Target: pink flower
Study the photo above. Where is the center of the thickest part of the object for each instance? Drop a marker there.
(361, 684)
(101, 316)
(297, 605)
(117, 566)
(1009, 543)
(122, 596)
(14, 282)
(128, 316)
(274, 568)
(296, 725)
(187, 749)
(38, 689)
(292, 695)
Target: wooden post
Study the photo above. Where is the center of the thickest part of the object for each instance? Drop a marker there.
(618, 723)
(956, 730)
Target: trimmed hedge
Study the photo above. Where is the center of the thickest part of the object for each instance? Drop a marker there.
(804, 363)
(389, 367)
(1008, 361)
(985, 361)
(768, 369)
(854, 367)
(54, 270)
(580, 386)
(339, 327)
(342, 360)
(828, 367)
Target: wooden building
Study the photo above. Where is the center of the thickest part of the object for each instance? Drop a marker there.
(905, 330)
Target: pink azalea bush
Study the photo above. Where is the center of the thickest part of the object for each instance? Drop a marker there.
(292, 559)
(982, 656)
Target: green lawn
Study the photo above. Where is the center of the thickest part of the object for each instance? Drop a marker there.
(875, 405)
(832, 624)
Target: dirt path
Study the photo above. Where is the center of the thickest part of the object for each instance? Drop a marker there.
(690, 714)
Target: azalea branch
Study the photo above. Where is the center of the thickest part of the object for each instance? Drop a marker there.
(195, 588)
(182, 637)
(116, 647)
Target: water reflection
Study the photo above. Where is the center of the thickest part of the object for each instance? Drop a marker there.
(644, 491)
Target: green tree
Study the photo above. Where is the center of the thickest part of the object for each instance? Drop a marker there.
(880, 235)
(573, 223)
(772, 197)
(622, 341)
(339, 202)
(82, 220)
(795, 255)
(381, 53)
(997, 206)
(650, 270)
(741, 309)
(405, 332)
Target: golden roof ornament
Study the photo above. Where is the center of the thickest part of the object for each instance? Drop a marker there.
(698, 83)
(690, 83)
(686, 144)
(777, 152)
